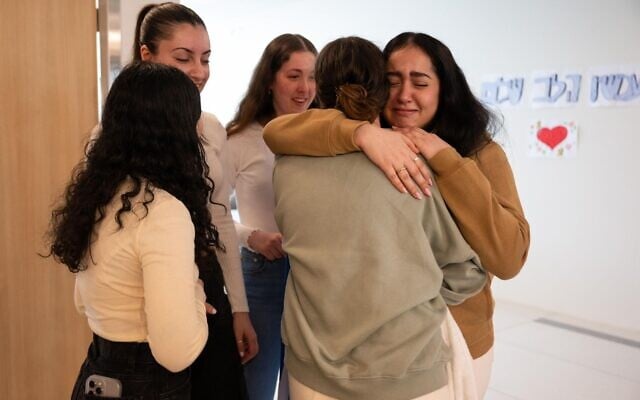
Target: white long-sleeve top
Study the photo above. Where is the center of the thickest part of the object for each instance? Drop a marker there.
(215, 146)
(215, 138)
(250, 173)
(141, 281)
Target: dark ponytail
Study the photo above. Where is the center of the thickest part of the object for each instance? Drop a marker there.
(136, 39)
(156, 22)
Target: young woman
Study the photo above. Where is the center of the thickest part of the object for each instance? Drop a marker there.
(283, 82)
(371, 269)
(429, 91)
(175, 35)
(135, 228)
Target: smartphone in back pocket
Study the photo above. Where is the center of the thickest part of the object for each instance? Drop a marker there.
(103, 386)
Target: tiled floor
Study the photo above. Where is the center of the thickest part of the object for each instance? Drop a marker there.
(544, 356)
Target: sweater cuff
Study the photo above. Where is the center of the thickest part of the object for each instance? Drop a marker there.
(446, 161)
(344, 130)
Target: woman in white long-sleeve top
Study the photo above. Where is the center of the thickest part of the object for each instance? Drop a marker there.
(283, 82)
(172, 34)
(135, 228)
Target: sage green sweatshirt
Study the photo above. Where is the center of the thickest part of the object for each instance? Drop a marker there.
(480, 191)
(371, 273)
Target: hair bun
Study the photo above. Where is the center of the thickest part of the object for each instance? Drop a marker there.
(353, 100)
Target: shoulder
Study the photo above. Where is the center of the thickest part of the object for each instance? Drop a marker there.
(212, 129)
(210, 120)
(250, 133)
(164, 204)
(491, 152)
(214, 136)
(493, 163)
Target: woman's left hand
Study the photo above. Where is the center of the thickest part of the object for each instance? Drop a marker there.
(429, 144)
(246, 338)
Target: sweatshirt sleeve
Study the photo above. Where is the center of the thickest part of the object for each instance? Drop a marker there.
(173, 298)
(316, 132)
(481, 194)
(462, 274)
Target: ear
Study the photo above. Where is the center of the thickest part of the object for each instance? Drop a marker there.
(145, 53)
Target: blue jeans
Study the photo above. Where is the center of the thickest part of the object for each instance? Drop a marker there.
(265, 282)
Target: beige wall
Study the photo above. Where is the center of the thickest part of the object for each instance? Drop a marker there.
(48, 103)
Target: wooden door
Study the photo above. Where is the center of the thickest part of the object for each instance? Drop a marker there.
(48, 104)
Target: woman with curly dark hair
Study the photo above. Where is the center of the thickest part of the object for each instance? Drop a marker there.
(135, 228)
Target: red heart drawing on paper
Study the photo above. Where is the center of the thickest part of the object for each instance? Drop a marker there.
(552, 137)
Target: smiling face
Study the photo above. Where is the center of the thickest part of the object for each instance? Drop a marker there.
(188, 49)
(414, 88)
(294, 86)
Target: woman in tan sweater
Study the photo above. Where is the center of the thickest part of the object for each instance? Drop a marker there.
(432, 103)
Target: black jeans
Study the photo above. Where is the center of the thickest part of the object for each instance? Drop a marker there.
(140, 375)
(217, 373)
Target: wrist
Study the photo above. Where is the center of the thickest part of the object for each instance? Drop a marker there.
(240, 313)
(361, 134)
(251, 239)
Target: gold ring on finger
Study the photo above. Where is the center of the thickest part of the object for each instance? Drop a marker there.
(401, 169)
(416, 159)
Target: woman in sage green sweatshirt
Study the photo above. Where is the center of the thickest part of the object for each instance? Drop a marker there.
(372, 270)
(429, 91)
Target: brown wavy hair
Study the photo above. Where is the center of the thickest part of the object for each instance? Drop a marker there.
(257, 104)
(350, 76)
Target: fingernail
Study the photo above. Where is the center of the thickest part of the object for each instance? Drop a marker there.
(428, 192)
(430, 182)
(418, 195)
(241, 354)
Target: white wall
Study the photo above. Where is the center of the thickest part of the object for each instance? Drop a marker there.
(584, 259)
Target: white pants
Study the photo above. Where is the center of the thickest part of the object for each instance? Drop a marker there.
(298, 391)
(461, 382)
(482, 367)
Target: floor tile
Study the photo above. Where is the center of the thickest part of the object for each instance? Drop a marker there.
(578, 348)
(607, 329)
(508, 315)
(527, 375)
(495, 395)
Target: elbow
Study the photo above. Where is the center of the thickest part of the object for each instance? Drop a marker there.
(459, 284)
(175, 366)
(268, 137)
(507, 267)
(176, 358)
(506, 262)
(506, 273)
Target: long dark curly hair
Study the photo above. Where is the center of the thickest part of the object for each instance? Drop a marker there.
(148, 137)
